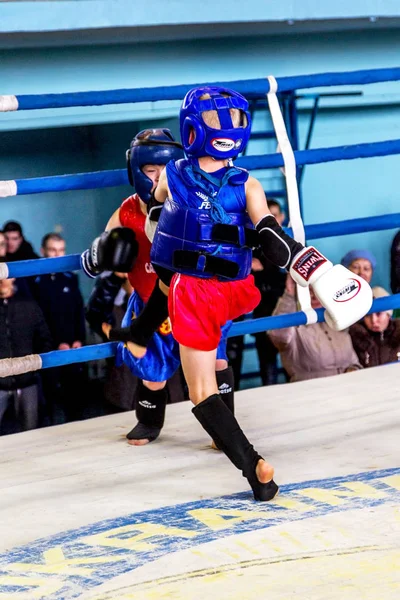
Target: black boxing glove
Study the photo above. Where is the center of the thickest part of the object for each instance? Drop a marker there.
(114, 250)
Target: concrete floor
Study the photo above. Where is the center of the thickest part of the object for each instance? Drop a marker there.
(85, 515)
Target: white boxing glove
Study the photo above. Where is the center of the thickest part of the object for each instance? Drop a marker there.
(345, 296)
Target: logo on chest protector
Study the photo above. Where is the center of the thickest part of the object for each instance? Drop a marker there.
(348, 291)
(308, 263)
(206, 204)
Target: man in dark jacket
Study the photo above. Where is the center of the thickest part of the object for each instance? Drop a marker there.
(395, 264)
(61, 301)
(23, 331)
(18, 249)
(17, 246)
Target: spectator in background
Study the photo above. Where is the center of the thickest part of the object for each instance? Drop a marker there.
(17, 246)
(3, 245)
(376, 338)
(395, 264)
(270, 280)
(360, 262)
(19, 249)
(311, 351)
(23, 331)
(60, 299)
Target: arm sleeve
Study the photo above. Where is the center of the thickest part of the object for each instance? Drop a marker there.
(277, 245)
(282, 337)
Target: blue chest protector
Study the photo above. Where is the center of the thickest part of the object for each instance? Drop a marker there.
(204, 229)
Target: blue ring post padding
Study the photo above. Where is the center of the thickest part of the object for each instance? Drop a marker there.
(250, 87)
(299, 318)
(57, 358)
(44, 266)
(78, 181)
(116, 177)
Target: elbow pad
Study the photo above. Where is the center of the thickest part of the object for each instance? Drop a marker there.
(277, 245)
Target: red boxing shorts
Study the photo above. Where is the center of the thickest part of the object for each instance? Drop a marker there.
(198, 308)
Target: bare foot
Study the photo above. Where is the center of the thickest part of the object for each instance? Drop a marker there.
(138, 442)
(264, 471)
(137, 351)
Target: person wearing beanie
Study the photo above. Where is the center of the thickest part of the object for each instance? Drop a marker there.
(361, 262)
(376, 339)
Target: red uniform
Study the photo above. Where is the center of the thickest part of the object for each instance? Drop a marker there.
(199, 308)
(142, 277)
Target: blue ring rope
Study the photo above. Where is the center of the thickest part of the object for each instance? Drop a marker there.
(117, 177)
(59, 358)
(251, 88)
(43, 266)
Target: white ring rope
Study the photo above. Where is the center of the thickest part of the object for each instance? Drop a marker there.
(289, 171)
(18, 366)
(8, 103)
(4, 271)
(8, 188)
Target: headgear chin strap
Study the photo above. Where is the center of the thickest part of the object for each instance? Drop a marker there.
(150, 147)
(199, 138)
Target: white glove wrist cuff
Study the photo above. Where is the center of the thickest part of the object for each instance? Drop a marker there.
(308, 266)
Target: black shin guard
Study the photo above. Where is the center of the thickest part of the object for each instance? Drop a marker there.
(226, 384)
(221, 425)
(150, 413)
(147, 322)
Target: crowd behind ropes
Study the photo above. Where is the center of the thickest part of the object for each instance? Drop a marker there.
(196, 246)
(47, 312)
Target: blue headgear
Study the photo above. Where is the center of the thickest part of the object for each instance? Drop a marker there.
(150, 147)
(226, 142)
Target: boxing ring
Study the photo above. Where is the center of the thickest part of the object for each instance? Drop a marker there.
(87, 516)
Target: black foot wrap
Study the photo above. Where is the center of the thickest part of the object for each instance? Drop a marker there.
(142, 328)
(150, 412)
(218, 421)
(226, 385)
